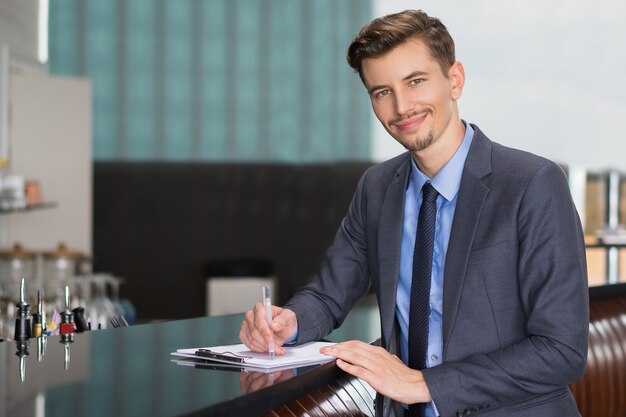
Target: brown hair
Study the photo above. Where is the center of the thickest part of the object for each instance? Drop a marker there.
(383, 34)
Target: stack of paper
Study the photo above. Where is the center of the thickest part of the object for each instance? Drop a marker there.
(241, 356)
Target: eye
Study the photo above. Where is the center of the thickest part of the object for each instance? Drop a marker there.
(382, 93)
(416, 81)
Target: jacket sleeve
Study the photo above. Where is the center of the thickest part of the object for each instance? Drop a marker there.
(344, 277)
(553, 290)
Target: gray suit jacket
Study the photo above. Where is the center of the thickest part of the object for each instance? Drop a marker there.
(515, 300)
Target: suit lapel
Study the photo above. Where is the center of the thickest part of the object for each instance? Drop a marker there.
(472, 194)
(390, 238)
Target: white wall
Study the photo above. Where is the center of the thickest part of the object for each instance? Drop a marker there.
(19, 27)
(543, 76)
(51, 143)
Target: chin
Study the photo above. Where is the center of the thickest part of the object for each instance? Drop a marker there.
(417, 144)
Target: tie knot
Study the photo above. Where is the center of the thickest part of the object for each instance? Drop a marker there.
(430, 194)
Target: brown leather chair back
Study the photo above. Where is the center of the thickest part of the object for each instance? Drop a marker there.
(601, 392)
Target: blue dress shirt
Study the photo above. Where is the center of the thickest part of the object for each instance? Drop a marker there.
(447, 183)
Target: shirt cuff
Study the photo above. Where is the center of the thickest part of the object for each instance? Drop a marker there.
(435, 409)
(292, 340)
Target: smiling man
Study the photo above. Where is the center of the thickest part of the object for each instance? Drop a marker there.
(474, 250)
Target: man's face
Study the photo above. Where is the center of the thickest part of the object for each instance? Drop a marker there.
(410, 95)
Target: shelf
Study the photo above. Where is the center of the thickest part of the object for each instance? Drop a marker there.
(606, 245)
(29, 208)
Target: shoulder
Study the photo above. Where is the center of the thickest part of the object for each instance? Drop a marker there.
(518, 162)
(388, 170)
(515, 166)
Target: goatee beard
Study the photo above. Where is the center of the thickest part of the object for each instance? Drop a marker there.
(420, 144)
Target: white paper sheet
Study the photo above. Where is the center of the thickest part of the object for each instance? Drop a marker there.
(306, 354)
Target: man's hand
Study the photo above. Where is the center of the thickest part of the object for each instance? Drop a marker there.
(385, 372)
(256, 334)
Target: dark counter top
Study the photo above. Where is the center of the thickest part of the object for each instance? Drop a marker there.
(129, 372)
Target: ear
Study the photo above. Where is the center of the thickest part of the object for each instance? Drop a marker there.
(456, 75)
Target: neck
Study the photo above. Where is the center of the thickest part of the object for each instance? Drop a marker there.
(433, 158)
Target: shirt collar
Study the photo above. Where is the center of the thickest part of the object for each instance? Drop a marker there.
(448, 180)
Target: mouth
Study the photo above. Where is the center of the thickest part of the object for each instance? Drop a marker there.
(411, 123)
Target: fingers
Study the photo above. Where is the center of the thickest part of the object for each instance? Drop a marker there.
(264, 334)
(357, 352)
(284, 324)
(253, 329)
(358, 358)
(354, 370)
(280, 319)
(385, 372)
(257, 334)
(245, 335)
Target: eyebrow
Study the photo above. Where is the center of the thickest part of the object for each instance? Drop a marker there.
(414, 74)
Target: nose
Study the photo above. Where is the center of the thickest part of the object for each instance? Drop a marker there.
(403, 102)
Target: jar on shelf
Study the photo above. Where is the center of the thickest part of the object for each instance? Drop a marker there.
(15, 264)
(60, 266)
(12, 193)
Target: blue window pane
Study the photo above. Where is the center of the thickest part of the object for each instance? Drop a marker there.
(220, 80)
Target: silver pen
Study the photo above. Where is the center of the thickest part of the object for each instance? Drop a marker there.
(267, 302)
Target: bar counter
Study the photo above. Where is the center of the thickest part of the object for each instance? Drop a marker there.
(129, 372)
